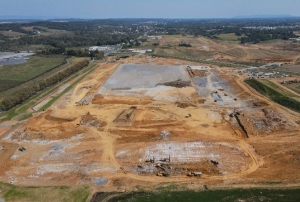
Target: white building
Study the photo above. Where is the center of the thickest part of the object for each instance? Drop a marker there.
(268, 74)
(155, 37)
(297, 40)
(99, 48)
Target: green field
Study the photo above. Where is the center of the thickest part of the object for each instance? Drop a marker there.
(277, 88)
(271, 41)
(43, 194)
(74, 60)
(274, 93)
(295, 87)
(229, 37)
(252, 195)
(12, 75)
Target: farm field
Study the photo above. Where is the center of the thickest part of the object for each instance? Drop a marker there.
(12, 75)
(45, 31)
(146, 121)
(12, 34)
(288, 86)
(277, 88)
(290, 68)
(61, 193)
(294, 87)
(230, 38)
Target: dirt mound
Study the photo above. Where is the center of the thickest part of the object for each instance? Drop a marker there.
(258, 103)
(184, 104)
(132, 136)
(47, 127)
(58, 119)
(196, 72)
(91, 121)
(206, 167)
(126, 116)
(264, 121)
(178, 84)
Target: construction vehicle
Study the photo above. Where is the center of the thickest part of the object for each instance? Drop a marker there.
(194, 174)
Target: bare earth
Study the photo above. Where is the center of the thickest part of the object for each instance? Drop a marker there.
(119, 131)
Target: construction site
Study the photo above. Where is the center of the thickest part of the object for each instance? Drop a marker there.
(146, 120)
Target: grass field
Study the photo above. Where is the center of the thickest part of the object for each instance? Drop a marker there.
(45, 31)
(13, 75)
(271, 41)
(295, 87)
(275, 195)
(12, 34)
(184, 52)
(43, 194)
(229, 37)
(74, 60)
(277, 88)
(273, 94)
(235, 52)
(290, 68)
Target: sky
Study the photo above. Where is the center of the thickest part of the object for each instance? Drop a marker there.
(99, 9)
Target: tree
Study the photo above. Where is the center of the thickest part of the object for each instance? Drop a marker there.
(99, 55)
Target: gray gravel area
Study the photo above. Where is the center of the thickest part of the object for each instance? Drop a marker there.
(202, 86)
(218, 83)
(10, 58)
(207, 84)
(144, 76)
(12, 61)
(57, 147)
(100, 181)
(217, 98)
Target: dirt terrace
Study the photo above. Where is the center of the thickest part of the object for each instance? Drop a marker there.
(215, 125)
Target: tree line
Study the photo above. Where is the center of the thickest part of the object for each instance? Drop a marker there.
(185, 45)
(211, 28)
(79, 39)
(72, 34)
(255, 36)
(27, 92)
(72, 52)
(116, 31)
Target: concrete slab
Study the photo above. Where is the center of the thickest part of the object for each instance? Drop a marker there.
(143, 76)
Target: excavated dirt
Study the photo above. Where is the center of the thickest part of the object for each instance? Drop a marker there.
(119, 140)
(177, 84)
(91, 121)
(100, 99)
